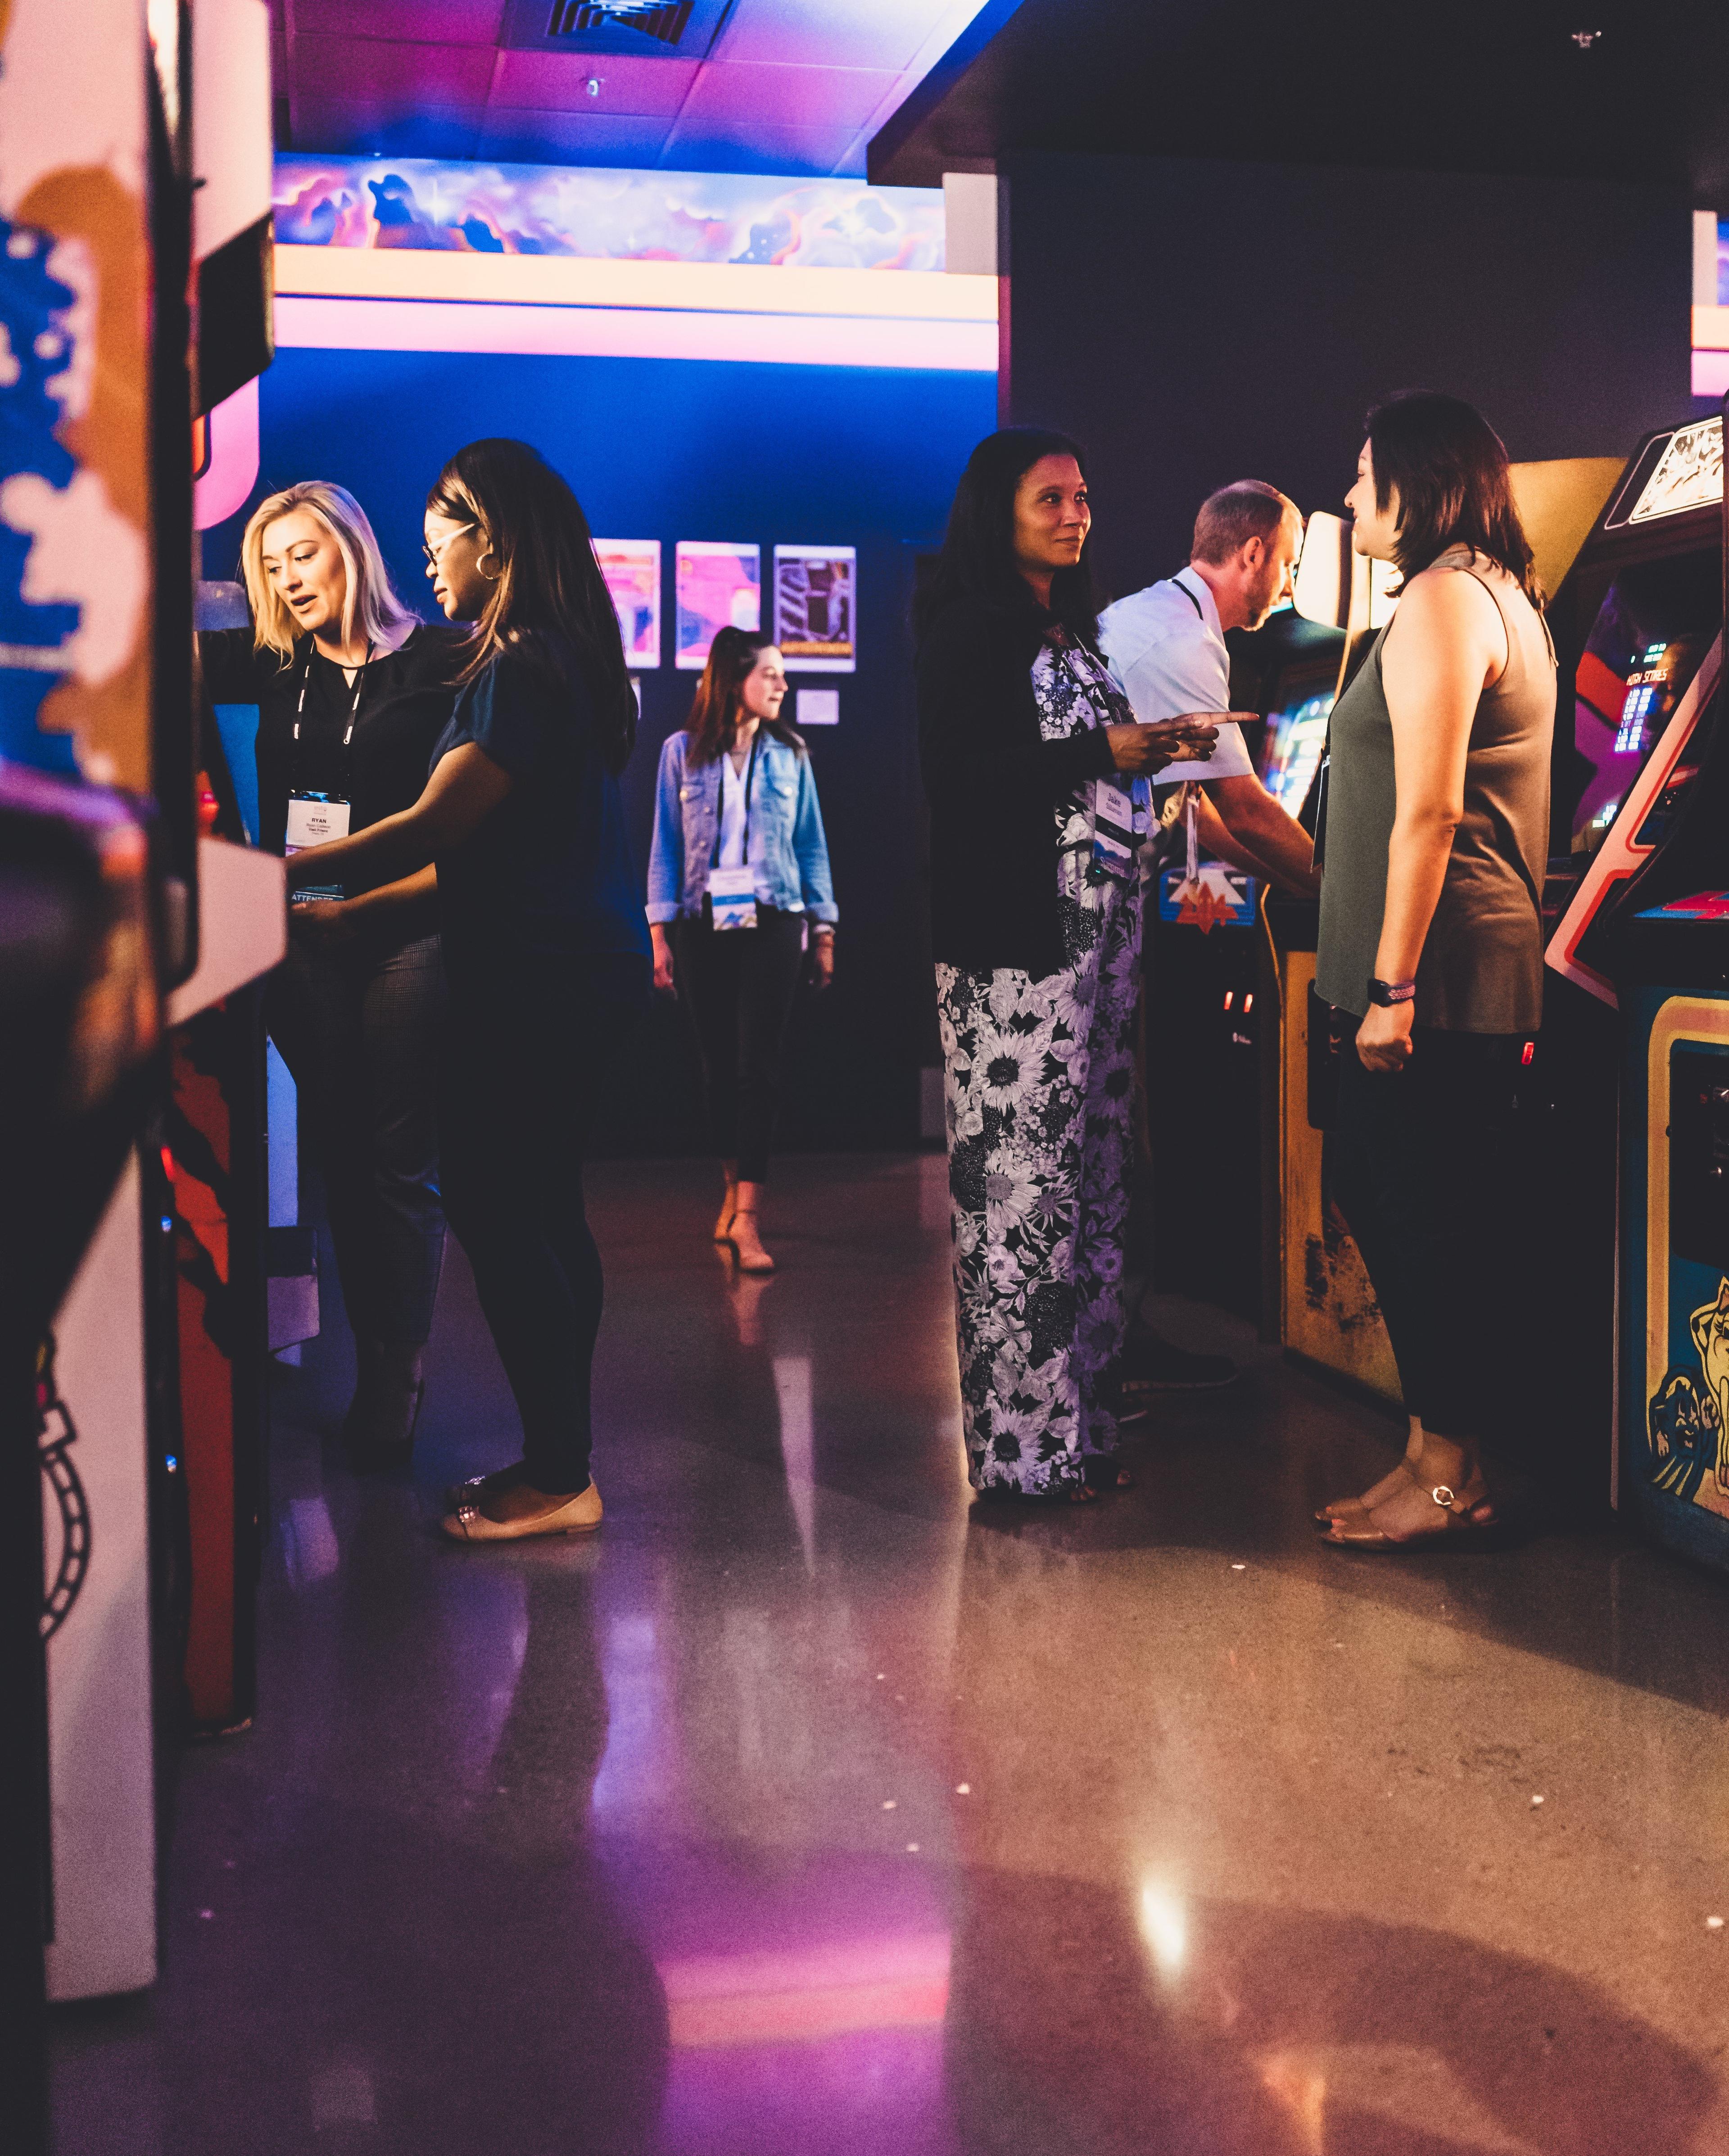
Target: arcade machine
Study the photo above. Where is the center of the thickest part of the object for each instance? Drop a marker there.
(123, 918)
(1316, 1301)
(1647, 930)
(1635, 625)
(1203, 933)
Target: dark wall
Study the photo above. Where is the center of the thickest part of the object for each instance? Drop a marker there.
(672, 449)
(1194, 323)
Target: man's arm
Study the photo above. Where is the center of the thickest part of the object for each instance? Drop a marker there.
(1277, 845)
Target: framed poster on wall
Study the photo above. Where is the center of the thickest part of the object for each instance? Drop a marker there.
(816, 590)
(632, 570)
(719, 586)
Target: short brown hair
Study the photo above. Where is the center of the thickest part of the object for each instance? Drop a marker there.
(1449, 468)
(1247, 508)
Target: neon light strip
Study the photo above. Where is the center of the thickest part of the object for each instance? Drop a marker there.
(351, 273)
(337, 325)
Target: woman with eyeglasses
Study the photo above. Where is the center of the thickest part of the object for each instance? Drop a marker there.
(545, 947)
(352, 691)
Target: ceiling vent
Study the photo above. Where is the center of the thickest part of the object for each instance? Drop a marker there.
(650, 30)
(665, 20)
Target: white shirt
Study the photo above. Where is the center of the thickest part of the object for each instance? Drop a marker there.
(1167, 648)
(733, 828)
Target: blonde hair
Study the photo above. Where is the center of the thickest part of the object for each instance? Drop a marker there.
(369, 605)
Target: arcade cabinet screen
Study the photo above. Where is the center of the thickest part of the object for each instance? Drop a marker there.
(1652, 630)
(1297, 732)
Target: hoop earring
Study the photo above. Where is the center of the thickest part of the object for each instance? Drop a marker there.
(480, 570)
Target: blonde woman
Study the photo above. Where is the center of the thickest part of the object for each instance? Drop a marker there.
(353, 690)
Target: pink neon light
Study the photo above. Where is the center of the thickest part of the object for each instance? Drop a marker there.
(232, 464)
(633, 333)
(777, 1997)
(1710, 373)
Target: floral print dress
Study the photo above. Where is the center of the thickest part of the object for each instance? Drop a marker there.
(1040, 1074)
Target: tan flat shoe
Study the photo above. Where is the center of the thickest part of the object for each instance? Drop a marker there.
(580, 1515)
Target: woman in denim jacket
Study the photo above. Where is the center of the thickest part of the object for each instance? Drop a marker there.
(738, 870)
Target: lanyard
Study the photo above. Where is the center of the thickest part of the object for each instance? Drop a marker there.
(360, 680)
(749, 781)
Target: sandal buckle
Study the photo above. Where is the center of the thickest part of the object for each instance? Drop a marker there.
(1444, 1497)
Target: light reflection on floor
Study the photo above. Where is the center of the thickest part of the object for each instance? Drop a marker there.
(804, 1813)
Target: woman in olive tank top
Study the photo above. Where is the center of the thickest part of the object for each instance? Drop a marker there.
(1433, 852)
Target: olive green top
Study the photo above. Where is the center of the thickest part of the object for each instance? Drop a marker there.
(1481, 970)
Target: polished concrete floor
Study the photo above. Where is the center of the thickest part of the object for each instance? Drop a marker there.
(809, 1812)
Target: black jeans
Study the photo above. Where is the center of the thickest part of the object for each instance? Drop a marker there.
(360, 1028)
(517, 1092)
(1420, 1163)
(738, 987)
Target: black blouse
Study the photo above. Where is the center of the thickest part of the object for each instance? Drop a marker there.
(993, 782)
(406, 699)
(542, 894)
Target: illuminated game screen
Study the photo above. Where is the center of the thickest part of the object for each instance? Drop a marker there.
(1654, 627)
(1296, 733)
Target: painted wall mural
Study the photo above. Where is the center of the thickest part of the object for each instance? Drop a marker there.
(619, 216)
(74, 569)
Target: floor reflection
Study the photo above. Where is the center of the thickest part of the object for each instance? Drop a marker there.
(804, 1813)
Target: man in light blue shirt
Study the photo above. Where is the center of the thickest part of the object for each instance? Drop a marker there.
(1166, 645)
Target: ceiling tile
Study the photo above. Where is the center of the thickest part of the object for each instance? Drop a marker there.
(554, 82)
(339, 127)
(789, 96)
(565, 138)
(408, 75)
(726, 145)
(413, 22)
(851, 33)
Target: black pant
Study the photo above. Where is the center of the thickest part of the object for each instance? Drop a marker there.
(738, 987)
(1420, 1161)
(517, 1092)
(359, 1026)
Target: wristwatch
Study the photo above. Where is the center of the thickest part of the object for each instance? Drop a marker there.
(1388, 993)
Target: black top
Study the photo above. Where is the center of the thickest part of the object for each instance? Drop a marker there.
(545, 887)
(405, 703)
(993, 782)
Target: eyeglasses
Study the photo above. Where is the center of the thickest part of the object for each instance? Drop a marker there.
(434, 557)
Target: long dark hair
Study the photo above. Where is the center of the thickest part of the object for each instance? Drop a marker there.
(548, 578)
(1450, 469)
(977, 558)
(714, 710)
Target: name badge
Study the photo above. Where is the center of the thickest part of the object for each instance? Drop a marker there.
(1118, 824)
(732, 896)
(314, 819)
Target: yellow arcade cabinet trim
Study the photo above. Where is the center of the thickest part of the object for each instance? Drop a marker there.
(1682, 1019)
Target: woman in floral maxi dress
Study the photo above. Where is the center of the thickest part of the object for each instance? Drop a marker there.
(1036, 774)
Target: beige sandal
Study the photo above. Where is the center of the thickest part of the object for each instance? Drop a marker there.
(1461, 1528)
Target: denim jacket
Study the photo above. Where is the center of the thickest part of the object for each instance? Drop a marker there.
(787, 842)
